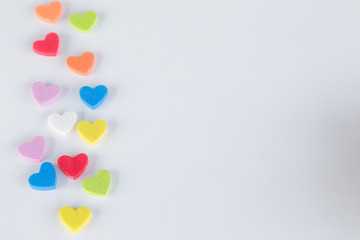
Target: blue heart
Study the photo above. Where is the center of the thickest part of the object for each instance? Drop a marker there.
(44, 180)
(93, 97)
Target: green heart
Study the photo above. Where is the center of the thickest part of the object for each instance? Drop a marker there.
(83, 22)
(99, 185)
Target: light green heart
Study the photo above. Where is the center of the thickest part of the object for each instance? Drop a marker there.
(99, 185)
(83, 22)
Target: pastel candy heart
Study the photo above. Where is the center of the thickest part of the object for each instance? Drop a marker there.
(73, 167)
(44, 95)
(44, 180)
(47, 47)
(91, 132)
(63, 123)
(83, 22)
(81, 65)
(73, 219)
(49, 13)
(99, 185)
(93, 97)
(33, 151)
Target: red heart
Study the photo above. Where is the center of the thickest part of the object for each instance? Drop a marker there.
(47, 47)
(73, 167)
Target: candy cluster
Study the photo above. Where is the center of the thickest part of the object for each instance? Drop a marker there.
(91, 133)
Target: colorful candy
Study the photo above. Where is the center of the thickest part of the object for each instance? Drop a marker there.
(47, 47)
(99, 185)
(45, 95)
(73, 167)
(83, 22)
(44, 180)
(93, 97)
(49, 13)
(73, 219)
(81, 65)
(91, 132)
(33, 151)
(63, 123)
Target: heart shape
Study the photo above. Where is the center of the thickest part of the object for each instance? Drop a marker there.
(33, 151)
(49, 13)
(99, 185)
(91, 132)
(83, 22)
(81, 65)
(63, 123)
(93, 97)
(44, 180)
(44, 95)
(47, 47)
(73, 167)
(73, 219)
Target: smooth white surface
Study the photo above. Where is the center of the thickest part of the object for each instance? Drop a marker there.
(227, 120)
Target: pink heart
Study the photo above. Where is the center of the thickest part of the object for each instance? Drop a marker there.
(33, 151)
(45, 95)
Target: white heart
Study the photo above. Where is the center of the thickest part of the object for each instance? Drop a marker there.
(63, 123)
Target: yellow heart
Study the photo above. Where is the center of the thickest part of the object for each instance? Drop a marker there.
(73, 219)
(91, 132)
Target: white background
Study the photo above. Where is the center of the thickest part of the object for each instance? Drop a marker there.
(227, 120)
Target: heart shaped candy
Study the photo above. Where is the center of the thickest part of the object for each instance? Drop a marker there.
(83, 22)
(99, 185)
(33, 151)
(63, 123)
(91, 132)
(93, 97)
(73, 167)
(73, 219)
(49, 13)
(44, 180)
(47, 47)
(44, 95)
(81, 65)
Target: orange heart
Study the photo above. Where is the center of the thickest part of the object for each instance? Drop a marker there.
(49, 13)
(81, 65)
